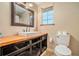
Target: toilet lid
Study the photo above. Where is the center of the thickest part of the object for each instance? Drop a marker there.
(62, 50)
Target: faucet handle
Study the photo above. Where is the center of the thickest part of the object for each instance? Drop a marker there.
(23, 30)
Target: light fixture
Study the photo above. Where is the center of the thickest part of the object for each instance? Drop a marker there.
(30, 5)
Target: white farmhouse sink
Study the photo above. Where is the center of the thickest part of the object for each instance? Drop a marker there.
(27, 33)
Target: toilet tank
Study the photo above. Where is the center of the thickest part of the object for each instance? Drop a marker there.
(62, 38)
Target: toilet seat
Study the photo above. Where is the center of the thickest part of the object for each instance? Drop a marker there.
(62, 50)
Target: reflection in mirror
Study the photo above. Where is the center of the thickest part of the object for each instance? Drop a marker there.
(22, 16)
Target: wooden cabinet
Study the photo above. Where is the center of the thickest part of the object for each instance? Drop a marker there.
(33, 47)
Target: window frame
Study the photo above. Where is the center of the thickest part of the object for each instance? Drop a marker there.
(42, 10)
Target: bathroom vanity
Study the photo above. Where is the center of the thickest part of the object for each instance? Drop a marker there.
(20, 45)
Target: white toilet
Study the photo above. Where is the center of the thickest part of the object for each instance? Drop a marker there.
(62, 42)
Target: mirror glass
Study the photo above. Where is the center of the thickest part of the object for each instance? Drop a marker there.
(22, 16)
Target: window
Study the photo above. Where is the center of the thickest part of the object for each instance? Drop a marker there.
(48, 16)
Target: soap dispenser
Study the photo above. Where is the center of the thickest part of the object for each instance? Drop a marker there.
(1, 35)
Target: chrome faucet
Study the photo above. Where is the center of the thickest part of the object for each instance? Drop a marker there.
(27, 29)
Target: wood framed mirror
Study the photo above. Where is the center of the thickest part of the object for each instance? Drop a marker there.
(21, 16)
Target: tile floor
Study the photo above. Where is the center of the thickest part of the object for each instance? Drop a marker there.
(48, 52)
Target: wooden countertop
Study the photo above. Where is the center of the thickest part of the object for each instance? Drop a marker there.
(18, 38)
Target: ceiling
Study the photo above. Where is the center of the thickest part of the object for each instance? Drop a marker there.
(38, 3)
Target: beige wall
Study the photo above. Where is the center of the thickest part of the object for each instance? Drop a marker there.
(5, 20)
(66, 19)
